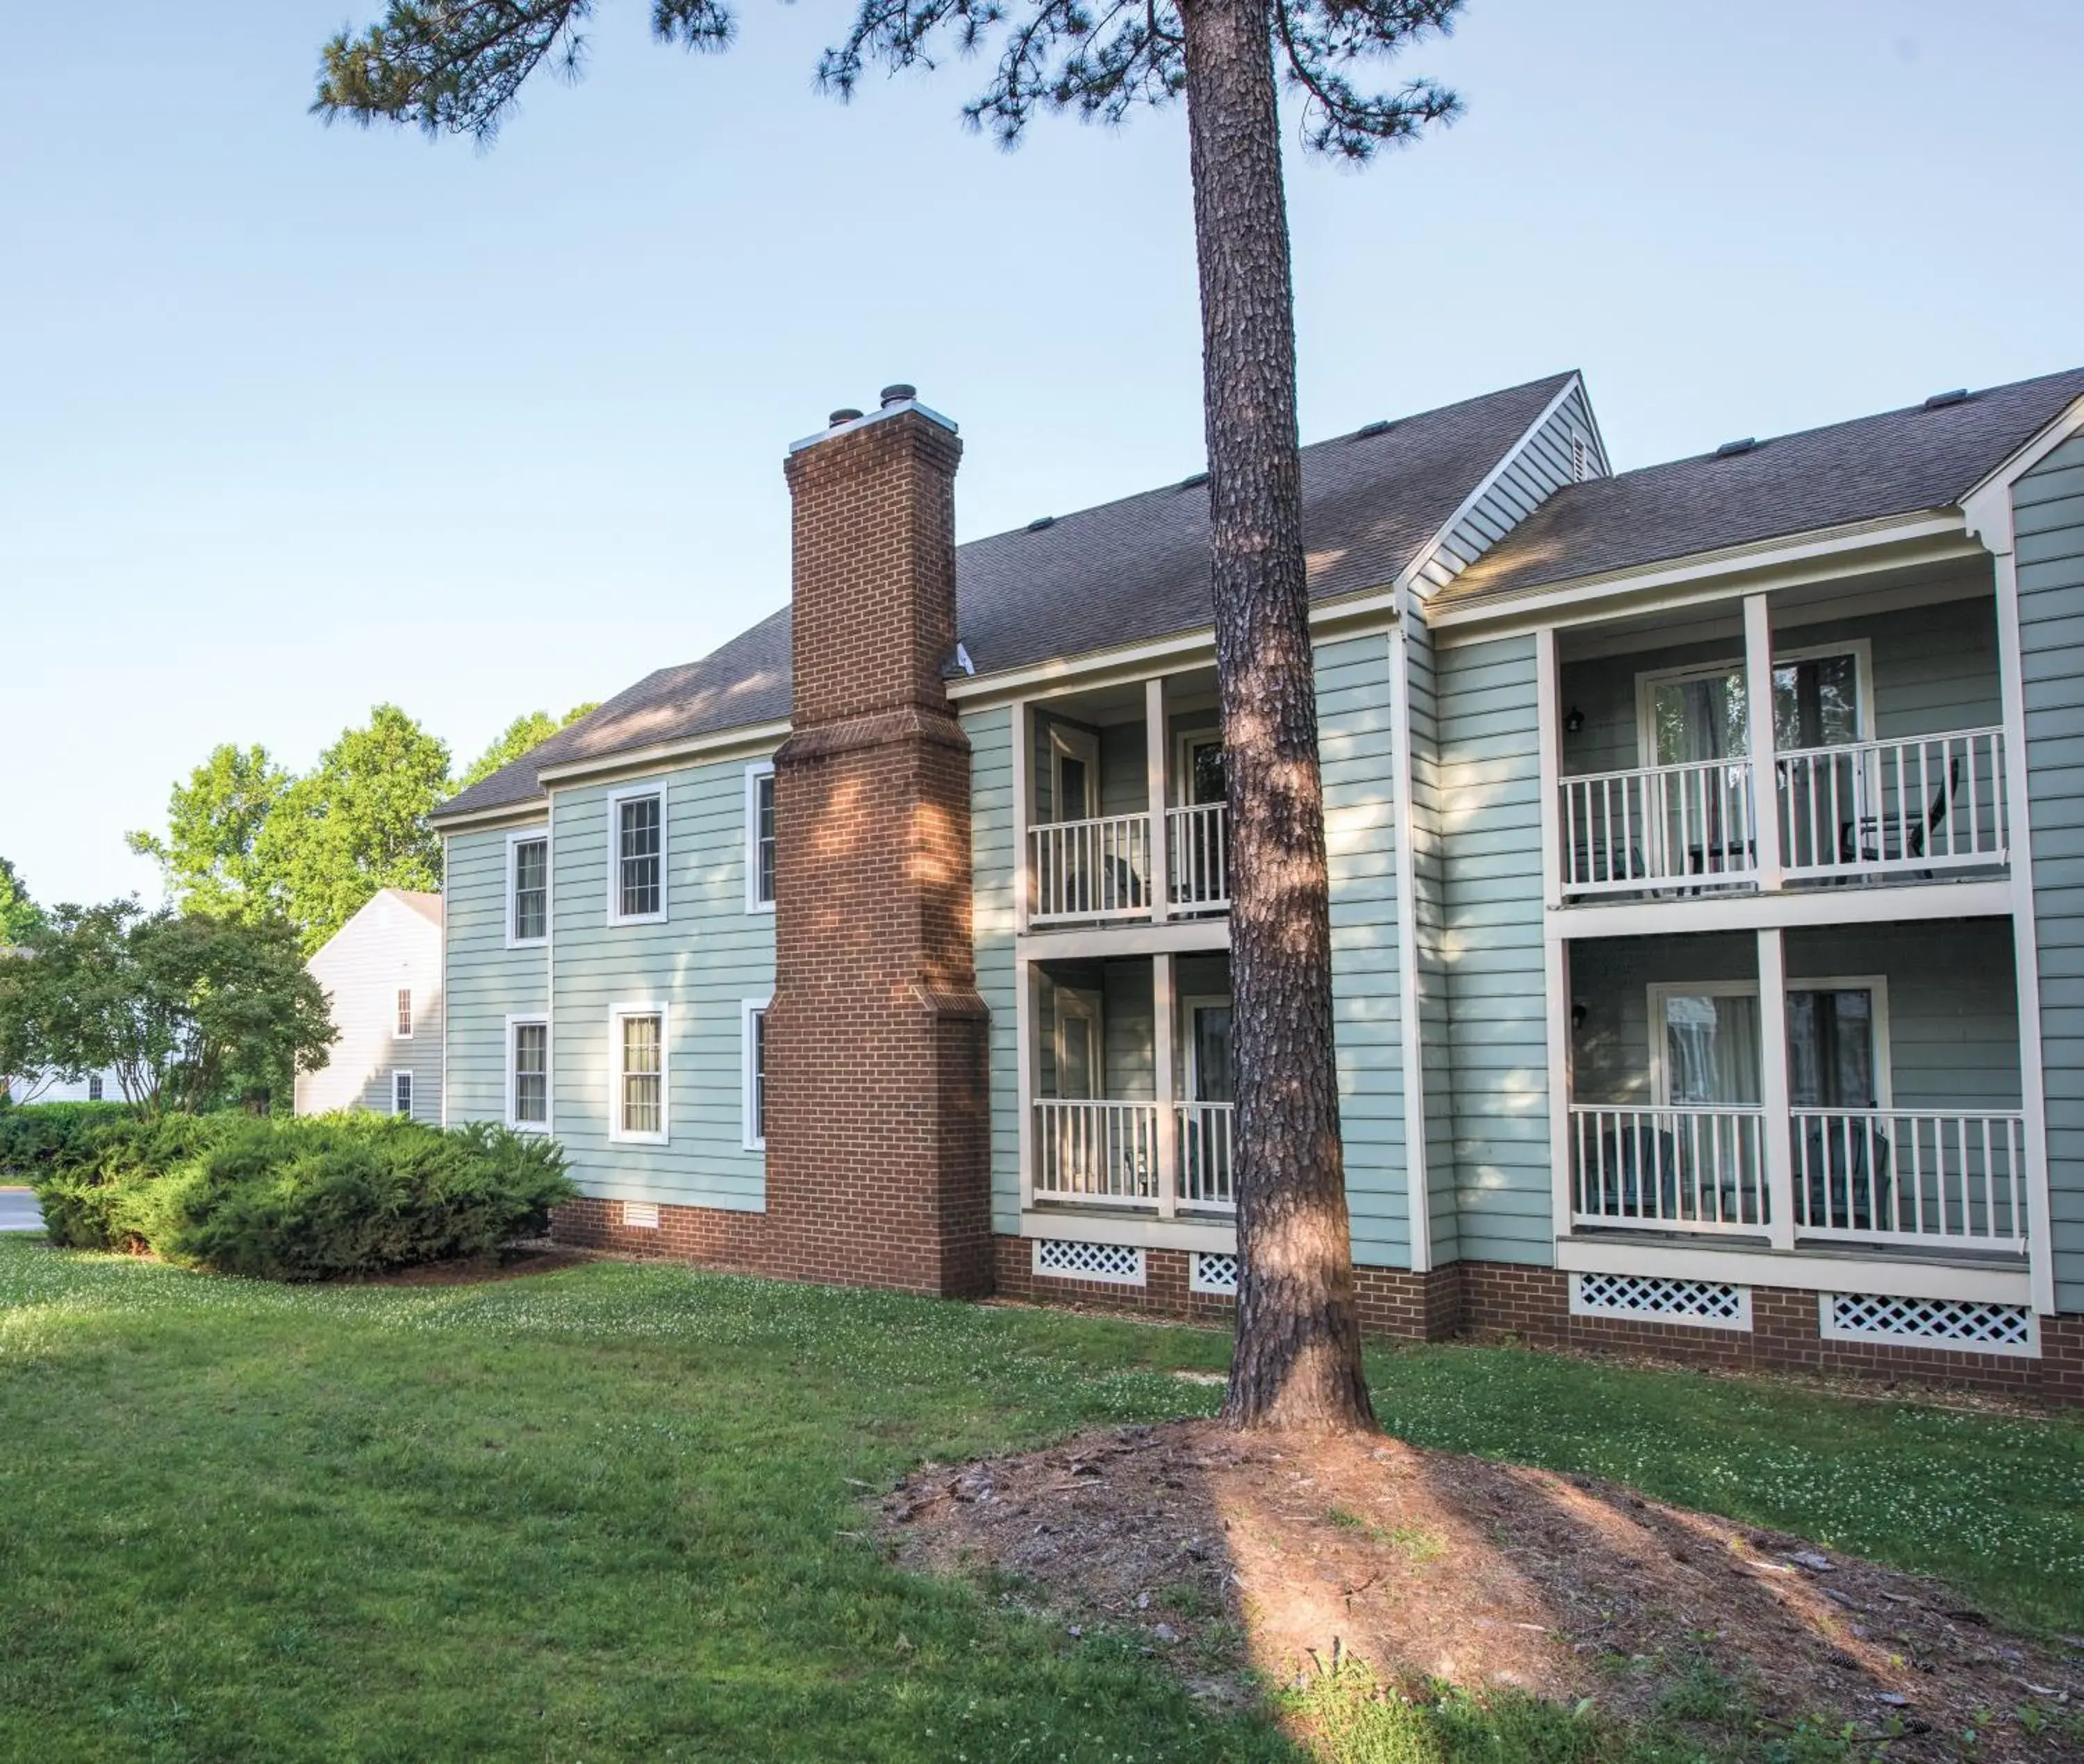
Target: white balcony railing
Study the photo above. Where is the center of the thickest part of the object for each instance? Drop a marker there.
(1909, 1176)
(1660, 826)
(1090, 870)
(1693, 1169)
(1095, 1152)
(1199, 848)
(1874, 808)
(1207, 1144)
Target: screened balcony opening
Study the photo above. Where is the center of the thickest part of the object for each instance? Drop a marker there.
(1899, 1125)
(1889, 760)
(1128, 1110)
(1120, 827)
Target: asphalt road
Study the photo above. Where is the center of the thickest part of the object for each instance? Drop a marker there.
(18, 1211)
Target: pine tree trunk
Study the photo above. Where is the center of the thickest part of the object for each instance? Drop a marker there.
(1298, 1361)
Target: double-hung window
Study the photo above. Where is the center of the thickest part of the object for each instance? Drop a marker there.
(401, 1092)
(637, 855)
(528, 889)
(637, 1061)
(402, 1029)
(528, 1073)
(760, 837)
(754, 1041)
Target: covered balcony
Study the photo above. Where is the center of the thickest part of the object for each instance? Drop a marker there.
(1122, 817)
(1882, 753)
(1857, 1087)
(1129, 1086)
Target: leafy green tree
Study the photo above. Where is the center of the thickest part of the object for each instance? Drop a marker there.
(458, 65)
(211, 856)
(357, 822)
(189, 1010)
(529, 730)
(18, 915)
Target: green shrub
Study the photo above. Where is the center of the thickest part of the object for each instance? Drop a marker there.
(301, 1198)
(36, 1134)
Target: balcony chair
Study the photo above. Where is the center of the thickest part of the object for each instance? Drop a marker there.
(1877, 839)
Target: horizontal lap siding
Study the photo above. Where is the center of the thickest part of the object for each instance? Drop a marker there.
(383, 947)
(1429, 918)
(1490, 786)
(709, 956)
(487, 981)
(992, 869)
(1355, 742)
(1535, 472)
(2049, 505)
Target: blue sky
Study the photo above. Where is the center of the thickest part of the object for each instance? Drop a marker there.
(296, 420)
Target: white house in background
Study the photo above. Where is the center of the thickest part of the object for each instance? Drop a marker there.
(94, 1087)
(382, 973)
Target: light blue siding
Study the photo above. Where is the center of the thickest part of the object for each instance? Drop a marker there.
(993, 870)
(2049, 505)
(1356, 744)
(708, 956)
(487, 981)
(1428, 923)
(1497, 1032)
(1534, 473)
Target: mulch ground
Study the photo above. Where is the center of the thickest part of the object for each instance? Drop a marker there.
(1231, 1554)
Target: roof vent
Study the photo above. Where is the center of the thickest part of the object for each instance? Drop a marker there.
(899, 394)
(1940, 400)
(1195, 482)
(1367, 430)
(1730, 450)
(845, 414)
(1041, 521)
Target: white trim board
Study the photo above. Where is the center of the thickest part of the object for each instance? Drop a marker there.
(1791, 910)
(1802, 1270)
(1145, 1232)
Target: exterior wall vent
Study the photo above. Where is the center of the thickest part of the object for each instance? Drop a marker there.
(640, 1216)
(1214, 1271)
(1058, 1259)
(1636, 1298)
(1958, 1324)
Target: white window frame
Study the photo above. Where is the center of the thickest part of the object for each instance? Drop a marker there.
(1090, 1007)
(1189, 1004)
(1860, 648)
(616, 799)
(1875, 984)
(528, 1019)
(1184, 741)
(514, 841)
(616, 1133)
(412, 1091)
(754, 1141)
(401, 997)
(1081, 744)
(759, 769)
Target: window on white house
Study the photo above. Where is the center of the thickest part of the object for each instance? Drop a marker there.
(94, 1088)
(531, 1056)
(639, 1074)
(639, 846)
(532, 891)
(401, 1092)
(759, 837)
(403, 1028)
(756, 1074)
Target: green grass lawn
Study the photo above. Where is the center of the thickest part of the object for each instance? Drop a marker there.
(615, 1513)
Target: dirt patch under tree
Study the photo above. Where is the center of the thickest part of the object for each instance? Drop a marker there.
(1232, 1553)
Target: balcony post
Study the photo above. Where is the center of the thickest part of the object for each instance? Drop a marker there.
(1023, 1033)
(1775, 1127)
(1024, 813)
(1161, 822)
(1758, 702)
(1164, 1083)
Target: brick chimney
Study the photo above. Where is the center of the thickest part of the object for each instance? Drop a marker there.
(878, 1131)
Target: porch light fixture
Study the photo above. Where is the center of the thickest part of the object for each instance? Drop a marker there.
(1574, 722)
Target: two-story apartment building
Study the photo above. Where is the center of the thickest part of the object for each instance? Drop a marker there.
(1708, 918)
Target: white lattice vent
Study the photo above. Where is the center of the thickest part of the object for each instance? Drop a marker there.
(1214, 1271)
(1963, 1325)
(1061, 1259)
(640, 1216)
(1639, 1298)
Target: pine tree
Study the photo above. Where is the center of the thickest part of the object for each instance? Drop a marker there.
(457, 66)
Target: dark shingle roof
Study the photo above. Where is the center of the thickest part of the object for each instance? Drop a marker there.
(1896, 463)
(1120, 573)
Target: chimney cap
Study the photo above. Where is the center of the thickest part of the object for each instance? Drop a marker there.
(844, 414)
(898, 394)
